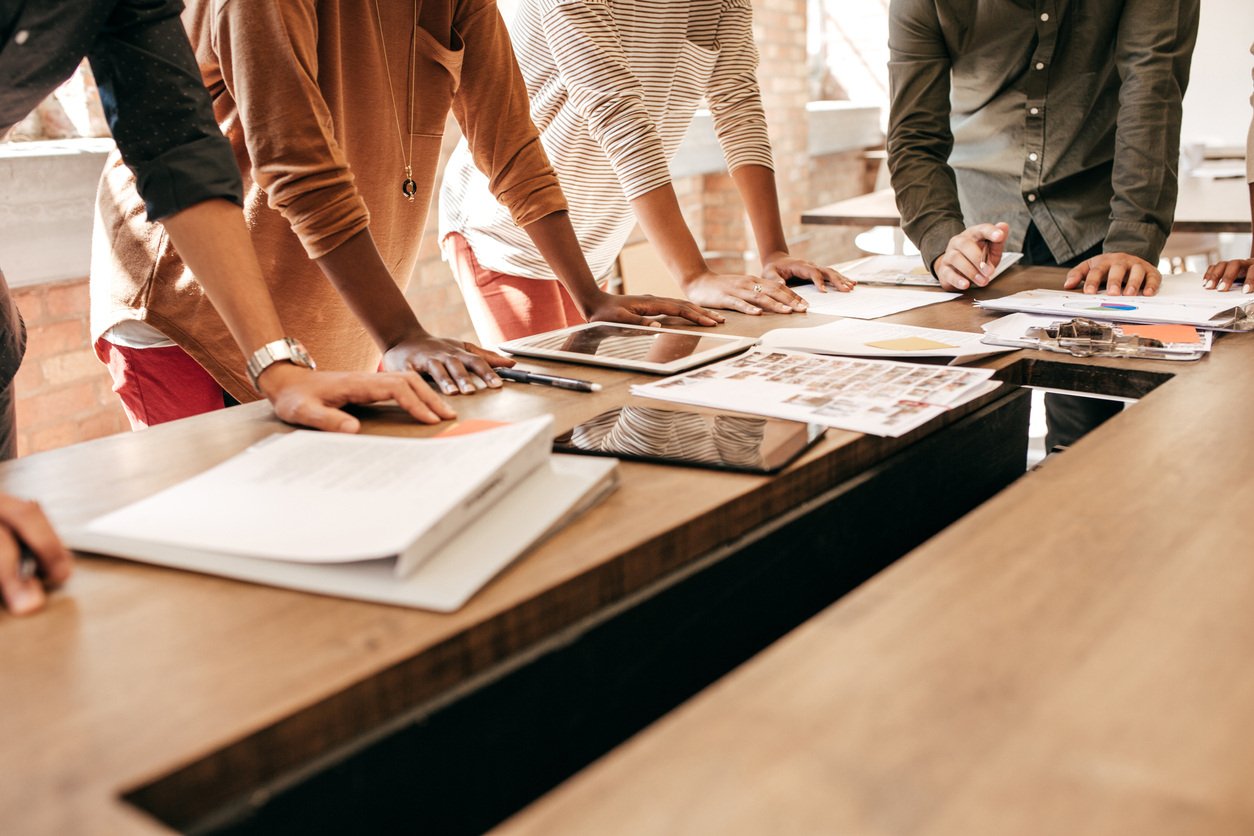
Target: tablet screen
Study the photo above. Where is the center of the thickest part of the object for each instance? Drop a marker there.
(724, 441)
(616, 342)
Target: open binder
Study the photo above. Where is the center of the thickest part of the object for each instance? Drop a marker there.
(412, 522)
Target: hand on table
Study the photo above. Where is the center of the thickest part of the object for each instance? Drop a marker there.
(313, 399)
(453, 365)
(1122, 273)
(23, 522)
(635, 310)
(1224, 275)
(781, 267)
(971, 257)
(747, 294)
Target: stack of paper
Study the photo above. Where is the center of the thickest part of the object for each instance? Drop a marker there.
(856, 338)
(869, 302)
(1179, 342)
(904, 269)
(878, 397)
(415, 522)
(1204, 309)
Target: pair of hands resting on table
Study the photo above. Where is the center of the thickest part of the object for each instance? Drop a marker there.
(768, 293)
(972, 256)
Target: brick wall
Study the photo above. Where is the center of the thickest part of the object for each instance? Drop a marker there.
(63, 391)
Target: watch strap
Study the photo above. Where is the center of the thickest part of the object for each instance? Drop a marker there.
(278, 351)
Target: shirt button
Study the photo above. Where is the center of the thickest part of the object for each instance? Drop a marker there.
(1032, 156)
(21, 37)
(1034, 111)
(1039, 65)
(1044, 17)
(1031, 198)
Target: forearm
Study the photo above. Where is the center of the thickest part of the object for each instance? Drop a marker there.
(919, 135)
(756, 185)
(555, 238)
(214, 244)
(664, 225)
(357, 271)
(1153, 49)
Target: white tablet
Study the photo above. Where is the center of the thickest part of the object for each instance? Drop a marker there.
(636, 347)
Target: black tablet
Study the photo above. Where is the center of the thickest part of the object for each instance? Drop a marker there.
(634, 347)
(724, 441)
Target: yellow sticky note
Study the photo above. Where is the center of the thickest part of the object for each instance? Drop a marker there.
(909, 344)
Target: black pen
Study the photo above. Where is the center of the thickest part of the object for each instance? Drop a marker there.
(572, 383)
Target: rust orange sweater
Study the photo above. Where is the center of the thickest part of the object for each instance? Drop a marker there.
(300, 89)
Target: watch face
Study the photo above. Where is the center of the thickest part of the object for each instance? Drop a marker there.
(300, 356)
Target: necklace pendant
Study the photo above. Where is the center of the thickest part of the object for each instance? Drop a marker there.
(409, 188)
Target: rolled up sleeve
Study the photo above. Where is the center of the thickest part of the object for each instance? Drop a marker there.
(159, 111)
(269, 59)
(1152, 54)
(733, 93)
(604, 91)
(494, 112)
(919, 137)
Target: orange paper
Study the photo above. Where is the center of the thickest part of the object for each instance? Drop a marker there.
(469, 426)
(1163, 333)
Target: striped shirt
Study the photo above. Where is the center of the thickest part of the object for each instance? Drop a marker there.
(614, 85)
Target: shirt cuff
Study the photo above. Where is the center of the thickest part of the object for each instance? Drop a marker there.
(1139, 239)
(533, 199)
(933, 243)
(189, 174)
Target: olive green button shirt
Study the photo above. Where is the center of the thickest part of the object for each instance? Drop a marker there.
(1062, 113)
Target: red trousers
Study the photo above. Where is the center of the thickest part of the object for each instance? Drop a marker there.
(159, 384)
(504, 307)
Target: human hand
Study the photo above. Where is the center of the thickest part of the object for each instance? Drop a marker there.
(1223, 275)
(781, 267)
(453, 365)
(748, 294)
(312, 399)
(633, 310)
(971, 256)
(1123, 273)
(23, 522)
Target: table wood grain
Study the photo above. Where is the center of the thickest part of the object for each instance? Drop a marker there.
(1072, 657)
(136, 672)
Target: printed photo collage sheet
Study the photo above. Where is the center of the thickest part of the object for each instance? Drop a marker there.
(878, 397)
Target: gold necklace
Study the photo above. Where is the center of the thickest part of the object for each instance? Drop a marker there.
(408, 187)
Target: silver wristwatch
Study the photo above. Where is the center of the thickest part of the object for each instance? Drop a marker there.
(286, 349)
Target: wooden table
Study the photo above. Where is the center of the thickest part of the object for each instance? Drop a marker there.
(205, 701)
(1203, 206)
(1072, 657)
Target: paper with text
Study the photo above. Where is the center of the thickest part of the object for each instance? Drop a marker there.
(859, 338)
(312, 497)
(870, 302)
(906, 270)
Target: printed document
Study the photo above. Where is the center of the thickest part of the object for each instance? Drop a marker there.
(877, 397)
(870, 302)
(859, 338)
(904, 269)
(311, 497)
(1201, 308)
